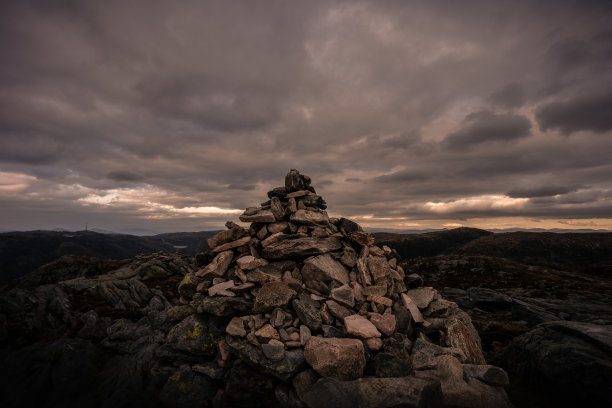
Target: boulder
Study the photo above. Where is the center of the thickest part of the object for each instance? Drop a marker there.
(218, 266)
(324, 268)
(334, 357)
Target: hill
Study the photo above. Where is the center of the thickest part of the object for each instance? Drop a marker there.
(22, 252)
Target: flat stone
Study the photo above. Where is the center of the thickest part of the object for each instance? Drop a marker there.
(324, 268)
(280, 226)
(234, 244)
(384, 323)
(299, 193)
(220, 287)
(381, 300)
(300, 247)
(307, 217)
(274, 350)
(334, 357)
(343, 295)
(365, 278)
(361, 238)
(274, 238)
(226, 236)
(267, 332)
(260, 216)
(376, 290)
(218, 266)
(409, 304)
(422, 296)
(273, 295)
(248, 262)
(236, 327)
(359, 326)
(245, 287)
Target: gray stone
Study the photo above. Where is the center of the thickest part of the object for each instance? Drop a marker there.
(236, 327)
(248, 262)
(218, 266)
(261, 216)
(221, 288)
(422, 296)
(300, 246)
(193, 336)
(308, 217)
(324, 268)
(280, 318)
(409, 304)
(273, 295)
(379, 268)
(458, 336)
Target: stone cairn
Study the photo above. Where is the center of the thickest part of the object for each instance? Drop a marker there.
(311, 301)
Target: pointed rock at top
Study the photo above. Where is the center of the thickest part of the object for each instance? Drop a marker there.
(294, 181)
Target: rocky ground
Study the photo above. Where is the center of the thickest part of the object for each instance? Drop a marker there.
(298, 310)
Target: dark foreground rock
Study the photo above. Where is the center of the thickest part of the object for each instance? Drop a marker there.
(569, 362)
(298, 310)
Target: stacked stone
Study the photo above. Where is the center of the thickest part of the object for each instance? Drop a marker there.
(312, 301)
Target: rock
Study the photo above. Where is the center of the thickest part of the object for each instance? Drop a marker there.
(218, 266)
(226, 236)
(193, 336)
(347, 226)
(299, 193)
(343, 295)
(221, 288)
(294, 181)
(274, 350)
(373, 343)
(388, 365)
(349, 257)
(280, 318)
(277, 208)
(570, 361)
(384, 323)
(412, 308)
(422, 296)
(248, 262)
(338, 311)
(275, 227)
(236, 327)
(489, 374)
(304, 334)
(376, 290)
(308, 312)
(333, 357)
(279, 192)
(531, 313)
(458, 336)
(359, 326)
(300, 247)
(307, 217)
(291, 364)
(304, 381)
(374, 392)
(361, 238)
(273, 295)
(331, 331)
(211, 370)
(234, 244)
(424, 354)
(487, 298)
(365, 278)
(186, 389)
(187, 286)
(261, 216)
(223, 306)
(324, 268)
(379, 268)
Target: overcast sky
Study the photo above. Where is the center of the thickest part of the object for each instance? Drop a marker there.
(175, 115)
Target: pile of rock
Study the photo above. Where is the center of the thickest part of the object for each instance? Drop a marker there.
(311, 301)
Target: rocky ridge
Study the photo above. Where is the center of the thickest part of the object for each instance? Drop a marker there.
(298, 310)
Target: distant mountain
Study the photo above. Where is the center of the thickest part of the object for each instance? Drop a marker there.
(22, 252)
(583, 252)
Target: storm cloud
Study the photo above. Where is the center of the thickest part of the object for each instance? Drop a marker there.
(167, 116)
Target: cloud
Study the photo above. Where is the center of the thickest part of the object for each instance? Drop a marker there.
(586, 112)
(150, 113)
(486, 126)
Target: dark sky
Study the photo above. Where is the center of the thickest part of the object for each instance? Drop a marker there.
(170, 116)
